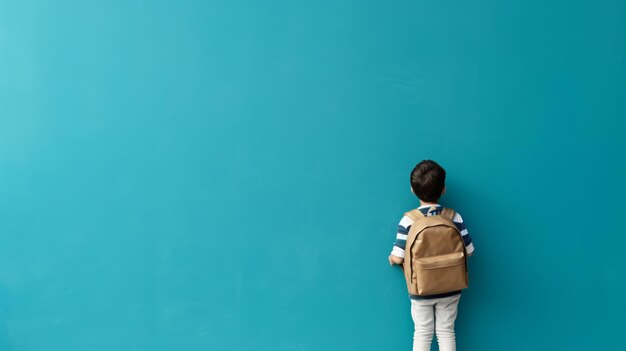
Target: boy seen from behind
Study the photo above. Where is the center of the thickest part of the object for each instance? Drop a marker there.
(435, 243)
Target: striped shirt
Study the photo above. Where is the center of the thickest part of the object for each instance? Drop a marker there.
(430, 210)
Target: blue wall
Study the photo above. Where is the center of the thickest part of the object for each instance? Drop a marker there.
(228, 175)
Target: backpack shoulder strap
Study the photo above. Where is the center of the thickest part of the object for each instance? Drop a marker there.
(449, 213)
(414, 214)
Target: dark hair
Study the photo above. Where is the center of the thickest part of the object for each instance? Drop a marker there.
(427, 180)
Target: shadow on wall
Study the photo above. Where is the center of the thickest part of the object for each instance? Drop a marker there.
(486, 268)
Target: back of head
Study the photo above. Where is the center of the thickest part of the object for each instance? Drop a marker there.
(428, 179)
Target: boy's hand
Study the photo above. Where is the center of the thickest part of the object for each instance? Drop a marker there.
(395, 260)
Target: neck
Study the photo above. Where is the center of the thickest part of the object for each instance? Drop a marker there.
(424, 203)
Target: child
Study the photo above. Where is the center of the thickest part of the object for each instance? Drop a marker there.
(432, 312)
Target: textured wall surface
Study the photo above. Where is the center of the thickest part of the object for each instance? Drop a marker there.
(228, 175)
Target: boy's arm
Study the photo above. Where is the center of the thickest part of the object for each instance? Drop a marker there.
(467, 240)
(397, 253)
(395, 260)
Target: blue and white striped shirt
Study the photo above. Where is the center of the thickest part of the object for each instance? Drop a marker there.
(430, 210)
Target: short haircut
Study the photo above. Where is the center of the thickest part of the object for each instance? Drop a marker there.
(428, 179)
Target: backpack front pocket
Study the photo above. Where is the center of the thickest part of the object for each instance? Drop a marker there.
(440, 274)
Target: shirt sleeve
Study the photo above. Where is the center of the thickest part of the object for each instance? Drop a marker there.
(401, 235)
(467, 239)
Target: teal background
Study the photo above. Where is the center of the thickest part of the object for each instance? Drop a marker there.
(228, 175)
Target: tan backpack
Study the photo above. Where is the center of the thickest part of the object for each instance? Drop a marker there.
(435, 260)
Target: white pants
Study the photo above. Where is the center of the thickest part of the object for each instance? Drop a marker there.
(434, 314)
